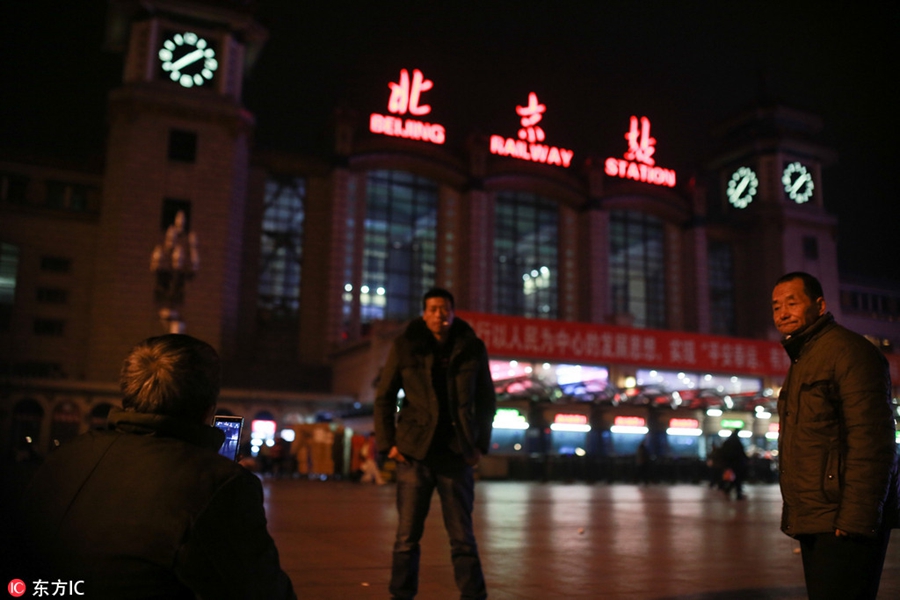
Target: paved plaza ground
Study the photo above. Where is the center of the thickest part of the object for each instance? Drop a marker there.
(540, 541)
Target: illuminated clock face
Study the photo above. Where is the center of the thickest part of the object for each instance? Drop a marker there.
(798, 183)
(742, 187)
(188, 59)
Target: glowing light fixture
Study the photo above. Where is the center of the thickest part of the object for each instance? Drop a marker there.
(570, 422)
(630, 425)
(509, 418)
(629, 429)
(684, 432)
(684, 427)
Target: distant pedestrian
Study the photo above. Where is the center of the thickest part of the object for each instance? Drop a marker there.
(286, 462)
(642, 463)
(368, 466)
(837, 447)
(734, 460)
(716, 470)
(265, 456)
(439, 435)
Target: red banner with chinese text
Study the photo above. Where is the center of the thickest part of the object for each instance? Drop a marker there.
(564, 341)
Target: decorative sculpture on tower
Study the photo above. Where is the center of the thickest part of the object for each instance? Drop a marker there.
(174, 261)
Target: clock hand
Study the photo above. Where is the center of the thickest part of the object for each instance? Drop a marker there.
(800, 181)
(741, 187)
(187, 59)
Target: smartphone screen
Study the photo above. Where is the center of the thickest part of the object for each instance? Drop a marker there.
(231, 426)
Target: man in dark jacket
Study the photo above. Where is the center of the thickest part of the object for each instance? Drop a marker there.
(442, 429)
(836, 445)
(148, 508)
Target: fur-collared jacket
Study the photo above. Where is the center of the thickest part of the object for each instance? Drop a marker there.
(470, 391)
(837, 455)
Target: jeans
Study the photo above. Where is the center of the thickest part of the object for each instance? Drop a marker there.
(416, 482)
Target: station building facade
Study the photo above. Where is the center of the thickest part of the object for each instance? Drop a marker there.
(591, 277)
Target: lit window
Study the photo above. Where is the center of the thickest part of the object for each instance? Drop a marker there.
(526, 249)
(637, 268)
(399, 249)
(9, 268)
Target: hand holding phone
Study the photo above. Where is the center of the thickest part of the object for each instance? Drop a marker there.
(231, 426)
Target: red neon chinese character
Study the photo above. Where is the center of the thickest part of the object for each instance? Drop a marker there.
(404, 98)
(640, 144)
(531, 115)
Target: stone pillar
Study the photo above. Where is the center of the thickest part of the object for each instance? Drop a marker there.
(447, 244)
(568, 263)
(594, 266)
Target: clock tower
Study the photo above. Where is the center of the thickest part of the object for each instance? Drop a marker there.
(770, 208)
(177, 160)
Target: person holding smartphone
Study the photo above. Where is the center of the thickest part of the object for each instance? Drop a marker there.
(148, 508)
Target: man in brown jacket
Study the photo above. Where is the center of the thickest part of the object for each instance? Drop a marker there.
(838, 462)
(442, 429)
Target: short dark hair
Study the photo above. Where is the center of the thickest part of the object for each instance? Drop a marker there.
(437, 292)
(174, 374)
(811, 285)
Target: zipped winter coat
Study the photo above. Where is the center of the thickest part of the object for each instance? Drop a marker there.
(837, 450)
(470, 392)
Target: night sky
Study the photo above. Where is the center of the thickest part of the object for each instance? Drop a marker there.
(685, 65)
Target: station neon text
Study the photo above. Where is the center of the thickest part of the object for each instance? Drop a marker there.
(405, 97)
(407, 128)
(528, 146)
(639, 164)
(538, 153)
